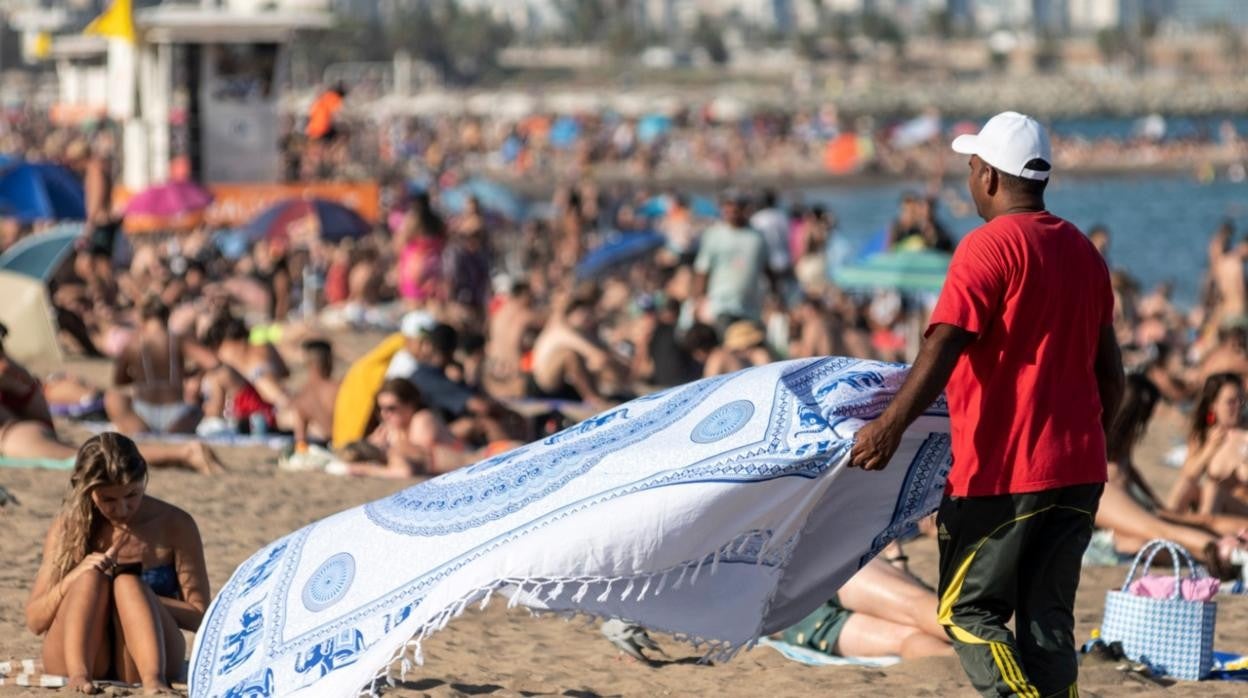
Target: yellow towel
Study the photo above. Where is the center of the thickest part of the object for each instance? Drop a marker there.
(359, 388)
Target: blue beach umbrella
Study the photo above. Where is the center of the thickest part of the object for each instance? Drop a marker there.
(41, 255)
(651, 127)
(494, 198)
(335, 221)
(42, 191)
(564, 132)
(616, 251)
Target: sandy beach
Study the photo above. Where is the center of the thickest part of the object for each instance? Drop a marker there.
(498, 652)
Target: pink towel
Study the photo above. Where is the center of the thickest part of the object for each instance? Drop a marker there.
(1162, 587)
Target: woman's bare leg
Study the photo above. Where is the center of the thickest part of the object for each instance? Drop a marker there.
(885, 592)
(195, 455)
(1129, 521)
(76, 644)
(175, 646)
(36, 440)
(1221, 524)
(141, 635)
(868, 636)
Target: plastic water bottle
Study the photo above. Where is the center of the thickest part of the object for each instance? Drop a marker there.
(259, 426)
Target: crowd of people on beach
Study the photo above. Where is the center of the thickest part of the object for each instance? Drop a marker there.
(701, 143)
(492, 330)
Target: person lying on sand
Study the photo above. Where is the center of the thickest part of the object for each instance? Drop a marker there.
(122, 575)
(27, 431)
(411, 439)
(880, 612)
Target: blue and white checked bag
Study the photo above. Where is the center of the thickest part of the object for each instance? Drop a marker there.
(1172, 636)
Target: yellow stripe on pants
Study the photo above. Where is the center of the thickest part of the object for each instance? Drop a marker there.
(1003, 654)
(1011, 671)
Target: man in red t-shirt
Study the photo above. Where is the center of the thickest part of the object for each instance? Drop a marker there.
(1022, 338)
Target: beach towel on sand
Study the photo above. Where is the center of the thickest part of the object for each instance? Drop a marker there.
(720, 511)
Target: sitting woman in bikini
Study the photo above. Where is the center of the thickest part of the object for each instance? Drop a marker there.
(27, 432)
(411, 440)
(1132, 512)
(149, 394)
(1210, 489)
(122, 575)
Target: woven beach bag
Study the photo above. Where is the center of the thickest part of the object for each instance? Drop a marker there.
(1172, 636)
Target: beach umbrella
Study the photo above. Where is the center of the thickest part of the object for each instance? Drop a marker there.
(564, 132)
(494, 198)
(914, 271)
(720, 511)
(302, 219)
(169, 206)
(617, 251)
(169, 199)
(42, 191)
(652, 127)
(41, 255)
(27, 313)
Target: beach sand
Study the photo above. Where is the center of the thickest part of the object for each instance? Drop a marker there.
(497, 652)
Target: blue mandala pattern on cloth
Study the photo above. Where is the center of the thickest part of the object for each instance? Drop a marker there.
(929, 468)
(723, 422)
(309, 626)
(465, 499)
(329, 582)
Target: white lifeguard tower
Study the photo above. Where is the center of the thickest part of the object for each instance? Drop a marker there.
(201, 84)
(211, 79)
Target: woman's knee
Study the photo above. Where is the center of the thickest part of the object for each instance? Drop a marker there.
(129, 589)
(92, 585)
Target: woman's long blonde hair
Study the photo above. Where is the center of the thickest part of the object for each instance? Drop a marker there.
(104, 460)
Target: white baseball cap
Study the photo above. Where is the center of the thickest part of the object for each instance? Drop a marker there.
(1009, 142)
(416, 323)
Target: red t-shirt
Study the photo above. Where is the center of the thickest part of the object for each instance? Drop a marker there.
(1023, 398)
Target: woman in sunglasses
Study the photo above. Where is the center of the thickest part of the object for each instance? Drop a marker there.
(410, 439)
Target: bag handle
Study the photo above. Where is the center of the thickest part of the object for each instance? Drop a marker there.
(1176, 551)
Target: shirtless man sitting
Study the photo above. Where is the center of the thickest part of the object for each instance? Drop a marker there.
(148, 377)
(505, 348)
(568, 361)
(313, 406)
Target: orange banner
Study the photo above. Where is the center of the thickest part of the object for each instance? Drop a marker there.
(237, 204)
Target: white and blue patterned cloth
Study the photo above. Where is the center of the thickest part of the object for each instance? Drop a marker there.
(719, 511)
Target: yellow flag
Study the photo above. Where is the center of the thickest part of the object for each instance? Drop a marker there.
(117, 21)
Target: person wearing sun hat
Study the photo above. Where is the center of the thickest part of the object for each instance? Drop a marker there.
(1022, 337)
